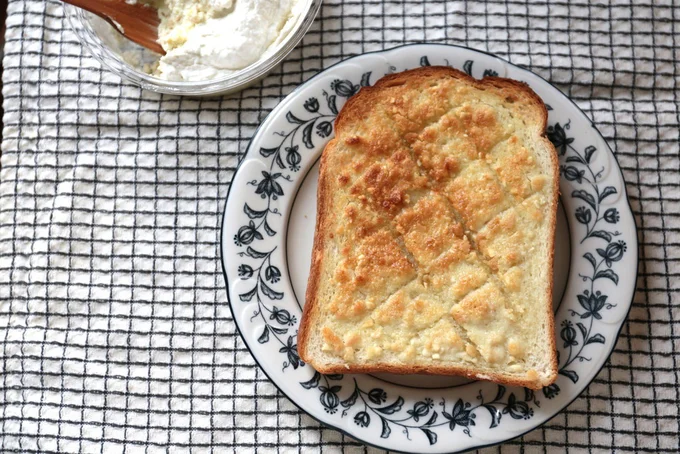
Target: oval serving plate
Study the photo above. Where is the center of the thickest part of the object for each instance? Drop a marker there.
(267, 233)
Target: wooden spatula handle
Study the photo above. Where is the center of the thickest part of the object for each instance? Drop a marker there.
(137, 22)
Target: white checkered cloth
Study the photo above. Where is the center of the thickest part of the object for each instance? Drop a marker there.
(115, 333)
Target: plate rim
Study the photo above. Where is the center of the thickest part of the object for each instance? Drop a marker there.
(516, 66)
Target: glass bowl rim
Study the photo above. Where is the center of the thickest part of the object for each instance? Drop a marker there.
(229, 83)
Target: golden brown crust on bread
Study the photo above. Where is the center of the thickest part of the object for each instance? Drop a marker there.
(387, 181)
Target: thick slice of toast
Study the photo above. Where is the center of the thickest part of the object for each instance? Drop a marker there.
(433, 250)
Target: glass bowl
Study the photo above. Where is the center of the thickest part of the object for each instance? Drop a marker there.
(128, 59)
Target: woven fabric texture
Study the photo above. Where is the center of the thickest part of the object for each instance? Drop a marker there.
(115, 332)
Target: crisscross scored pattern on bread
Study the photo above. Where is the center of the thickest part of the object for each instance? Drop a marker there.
(434, 240)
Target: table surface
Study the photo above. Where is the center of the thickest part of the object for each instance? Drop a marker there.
(115, 333)
(3, 17)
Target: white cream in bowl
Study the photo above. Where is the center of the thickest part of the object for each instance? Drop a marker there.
(206, 39)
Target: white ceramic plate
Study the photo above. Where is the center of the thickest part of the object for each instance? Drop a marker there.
(267, 236)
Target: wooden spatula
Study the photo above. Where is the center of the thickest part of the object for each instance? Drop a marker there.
(138, 22)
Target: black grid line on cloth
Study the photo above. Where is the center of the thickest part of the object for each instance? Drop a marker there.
(116, 336)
